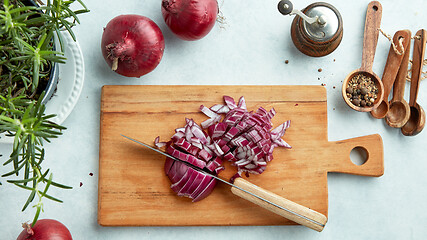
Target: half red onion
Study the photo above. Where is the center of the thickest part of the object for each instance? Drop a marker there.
(191, 144)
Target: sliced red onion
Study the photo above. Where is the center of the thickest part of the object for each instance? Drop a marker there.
(186, 157)
(194, 185)
(177, 172)
(230, 102)
(242, 137)
(209, 122)
(206, 191)
(178, 185)
(188, 182)
(218, 108)
(204, 185)
(183, 191)
(158, 143)
(192, 145)
(205, 155)
(249, 137)
(208, 112)
(242, 103)
(168, 165)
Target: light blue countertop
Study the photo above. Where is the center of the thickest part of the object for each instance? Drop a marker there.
(251, 49)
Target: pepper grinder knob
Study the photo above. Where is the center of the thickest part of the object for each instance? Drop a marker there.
(285, 7)
(316, 30)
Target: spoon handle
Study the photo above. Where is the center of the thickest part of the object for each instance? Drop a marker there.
(399, 84)
(393, 62)
(370, 36)
(417, 64)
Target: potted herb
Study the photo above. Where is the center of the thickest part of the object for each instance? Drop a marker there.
(28, 58)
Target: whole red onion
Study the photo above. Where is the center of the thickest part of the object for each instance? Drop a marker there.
(45, 229)
(190, 19)
(132, 45)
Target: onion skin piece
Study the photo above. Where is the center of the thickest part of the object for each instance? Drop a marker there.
(46, 229)
(132, 45)
(190, 19)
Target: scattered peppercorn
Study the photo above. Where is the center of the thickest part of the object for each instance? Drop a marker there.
(286, 61)
(319, 70)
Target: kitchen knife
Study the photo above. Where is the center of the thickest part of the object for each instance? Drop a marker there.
(261, 197)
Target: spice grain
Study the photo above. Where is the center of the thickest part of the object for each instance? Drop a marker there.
(362, 90)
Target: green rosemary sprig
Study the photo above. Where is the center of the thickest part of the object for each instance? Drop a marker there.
(26, 121)
(27, 52)
(26, 42)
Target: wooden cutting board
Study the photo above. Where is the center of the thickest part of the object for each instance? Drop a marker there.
(134, 191)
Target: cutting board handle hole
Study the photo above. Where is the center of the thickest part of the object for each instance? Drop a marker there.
(359, 155)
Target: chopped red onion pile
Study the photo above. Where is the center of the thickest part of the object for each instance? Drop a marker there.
(244, 138)
(248, 136)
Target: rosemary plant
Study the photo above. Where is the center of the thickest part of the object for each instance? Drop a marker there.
(27, 53)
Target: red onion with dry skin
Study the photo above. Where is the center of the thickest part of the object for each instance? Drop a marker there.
(45, 229)
(132, 45)
(190, 19)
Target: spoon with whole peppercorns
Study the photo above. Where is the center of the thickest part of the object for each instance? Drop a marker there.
(364, 79)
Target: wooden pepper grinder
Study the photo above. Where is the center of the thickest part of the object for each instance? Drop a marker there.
(316, 30)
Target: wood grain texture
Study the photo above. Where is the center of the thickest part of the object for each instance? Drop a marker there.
(370, 40)
(295, 212)
(134, 191)
(399, 110)
(370, 35)
(400, 82)
(417, 64)
(394, 62)
(417, 118)
(392, 65)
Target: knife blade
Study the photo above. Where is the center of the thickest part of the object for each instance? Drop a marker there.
(268, 200)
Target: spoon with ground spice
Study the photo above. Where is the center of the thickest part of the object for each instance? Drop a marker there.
(352, 88)
(417, 118)
(394, 60)
(399, 110)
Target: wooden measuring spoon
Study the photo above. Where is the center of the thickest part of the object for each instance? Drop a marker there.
(370, 40)
(417, 117)
(391, 68)
(399, 110)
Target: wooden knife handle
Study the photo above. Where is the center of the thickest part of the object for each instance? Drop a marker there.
(297, 213)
